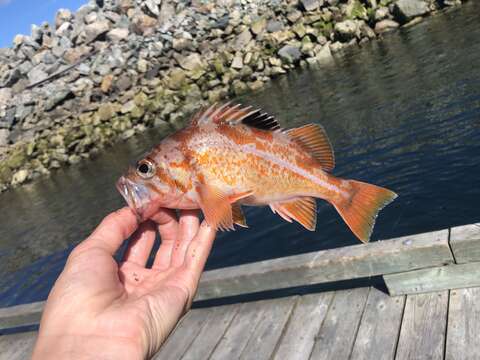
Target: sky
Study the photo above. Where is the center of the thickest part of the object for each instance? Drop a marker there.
(17, 16)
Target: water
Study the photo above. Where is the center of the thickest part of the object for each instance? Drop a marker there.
(402, 113)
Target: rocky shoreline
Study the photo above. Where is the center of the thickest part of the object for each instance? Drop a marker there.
(118, 67)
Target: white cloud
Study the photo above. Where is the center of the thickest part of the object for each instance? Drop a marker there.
(4, 2)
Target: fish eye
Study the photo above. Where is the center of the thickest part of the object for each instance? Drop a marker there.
(145, 169)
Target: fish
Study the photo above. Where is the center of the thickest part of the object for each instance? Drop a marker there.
(230, 156)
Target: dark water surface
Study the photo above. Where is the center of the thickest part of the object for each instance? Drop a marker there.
(402, 113)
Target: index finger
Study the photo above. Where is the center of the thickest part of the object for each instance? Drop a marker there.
(113, 230)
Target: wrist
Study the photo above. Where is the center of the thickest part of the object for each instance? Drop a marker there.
(79, 347)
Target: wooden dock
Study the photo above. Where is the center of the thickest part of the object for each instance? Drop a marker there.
(432, 311)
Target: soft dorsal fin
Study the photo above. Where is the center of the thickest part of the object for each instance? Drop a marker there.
(314, 139)
(236, 114)
(302, 210)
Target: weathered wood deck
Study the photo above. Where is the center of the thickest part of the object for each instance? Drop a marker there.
(362, 323)
(358, 323)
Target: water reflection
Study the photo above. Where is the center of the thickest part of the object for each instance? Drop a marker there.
(402, 113)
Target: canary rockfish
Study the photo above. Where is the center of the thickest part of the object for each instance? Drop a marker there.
(229, 156)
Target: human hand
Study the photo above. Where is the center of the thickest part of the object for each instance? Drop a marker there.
(104, 310)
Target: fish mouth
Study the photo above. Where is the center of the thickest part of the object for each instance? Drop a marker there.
(136, 195)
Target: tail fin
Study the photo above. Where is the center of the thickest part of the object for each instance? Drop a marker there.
(361, 209)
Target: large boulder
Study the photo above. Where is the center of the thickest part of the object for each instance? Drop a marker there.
(405, 10)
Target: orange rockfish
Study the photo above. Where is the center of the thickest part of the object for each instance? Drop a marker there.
(231, 156)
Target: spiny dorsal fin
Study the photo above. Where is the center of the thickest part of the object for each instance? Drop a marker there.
(236, 114)
(315, 140)
(302, 210)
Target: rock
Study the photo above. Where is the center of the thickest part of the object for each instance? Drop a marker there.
(36, 34)
(309, 5)
(37, 74)
(299, 30)
(143, 24)
(142, 66)
(237, 62)
(274, 26)
(5, 96)
(190, 62)
(123, 83)
(128, 134)
(167, 12)
(57, 98)
(10, 78)
(404, 10)
(106, 84)
(63, 15)
(105, 111)
(91, 18)
(290, 54)
(4, 133)
(243, 39)
(366, 31)
(151, 8)
(381, 13)
(294, 15)
(355, 9)
(118, 34)
(181, 44)
(128, 107)
(239, 87)
(385, 25)
(177, 79)
(324, 56)
(19, 177)
(259, 26)
(346, 30)
(95, 30)
(255, 85)
(64, 29)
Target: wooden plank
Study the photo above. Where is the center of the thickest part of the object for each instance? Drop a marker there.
(379, 328)
(211, 333)
(378, 258)
(21, 315)
(422, 334)
(338, 332)
(184, 334)
(302, 329)
(268, 331)
(434, 279)
(465, 243)
(463, 339)
(238, 334)
(17, 346)
(381, 257)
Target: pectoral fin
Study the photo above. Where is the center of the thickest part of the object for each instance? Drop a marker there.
(216, 207)
(219, 209)
(302, 210)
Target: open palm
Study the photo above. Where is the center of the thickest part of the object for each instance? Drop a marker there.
(125, 310)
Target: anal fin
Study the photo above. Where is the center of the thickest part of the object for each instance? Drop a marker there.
(302, 209)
